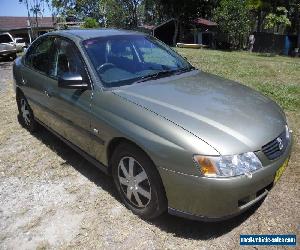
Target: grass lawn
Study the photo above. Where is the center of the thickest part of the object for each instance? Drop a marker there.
(275, 76)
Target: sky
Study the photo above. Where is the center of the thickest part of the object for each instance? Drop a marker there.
(14, 8)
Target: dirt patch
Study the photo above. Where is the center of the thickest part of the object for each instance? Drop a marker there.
(50, 197)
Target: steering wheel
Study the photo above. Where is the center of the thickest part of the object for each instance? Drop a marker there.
(105, 66)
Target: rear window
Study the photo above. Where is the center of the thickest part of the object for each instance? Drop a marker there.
(5, 39)
(20, 40)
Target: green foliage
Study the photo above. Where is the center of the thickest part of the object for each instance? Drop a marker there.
(120, 13)
(112, 14)
(90, 23)
(232, 17)
(274, 20)
(257, 5)
(78, 8)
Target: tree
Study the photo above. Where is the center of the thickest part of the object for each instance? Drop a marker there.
(184, 12)
(277, 19)
(259, 10)
(90, 23)
(88, 8)
(153, 12)
(120, 13)
(64, 7)
(79, 8)
(112, 14)
(232, 17)
(34, 8)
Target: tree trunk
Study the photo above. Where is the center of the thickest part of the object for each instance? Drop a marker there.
(176, 31)
(298, 26)
(259, 21)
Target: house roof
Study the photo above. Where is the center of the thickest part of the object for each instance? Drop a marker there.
(205, 22)
(20, 22)
(147, 26)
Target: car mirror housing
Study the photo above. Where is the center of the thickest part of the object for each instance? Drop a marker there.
(71, 80)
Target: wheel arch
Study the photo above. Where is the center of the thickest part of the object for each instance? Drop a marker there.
(115, 142)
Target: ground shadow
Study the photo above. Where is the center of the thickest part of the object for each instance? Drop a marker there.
(179, 227)
(199, 230)
(75, 160)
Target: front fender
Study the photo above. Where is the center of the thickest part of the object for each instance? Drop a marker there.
(168, 145)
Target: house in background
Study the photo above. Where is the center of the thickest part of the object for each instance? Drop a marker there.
(199, 31)
(204, 32)
(19, 26)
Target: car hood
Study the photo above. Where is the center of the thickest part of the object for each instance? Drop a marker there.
(230, 117)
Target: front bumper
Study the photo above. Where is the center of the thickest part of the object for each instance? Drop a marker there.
(213, 199)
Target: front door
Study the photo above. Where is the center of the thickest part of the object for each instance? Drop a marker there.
(71, 106)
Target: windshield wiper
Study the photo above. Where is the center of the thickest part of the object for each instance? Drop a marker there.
(183, 70)
(156, 75)
(164, 73)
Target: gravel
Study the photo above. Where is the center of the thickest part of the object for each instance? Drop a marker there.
(50, 197)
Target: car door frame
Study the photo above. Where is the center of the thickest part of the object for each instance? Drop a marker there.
(91, 134)
(58, 97)
(36, 96)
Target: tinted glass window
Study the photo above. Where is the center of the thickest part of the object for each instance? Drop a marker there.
(125, 59)
(67, 59)
(41, 56)
(5, 39)
(20, 40)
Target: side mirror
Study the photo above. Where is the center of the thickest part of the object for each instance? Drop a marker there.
(72, 80)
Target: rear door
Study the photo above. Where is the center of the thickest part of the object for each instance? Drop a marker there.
(36, 80)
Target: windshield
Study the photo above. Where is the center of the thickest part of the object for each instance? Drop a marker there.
(126, 59)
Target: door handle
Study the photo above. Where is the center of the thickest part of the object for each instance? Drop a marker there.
(47, 93)
(24, 81)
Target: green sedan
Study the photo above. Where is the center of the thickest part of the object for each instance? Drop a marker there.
(173, 138)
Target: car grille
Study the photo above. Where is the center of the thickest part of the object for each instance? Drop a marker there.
(276, 147)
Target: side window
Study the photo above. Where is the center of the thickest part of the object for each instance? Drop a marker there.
(5, 39)
(41, 56)
(67, 59)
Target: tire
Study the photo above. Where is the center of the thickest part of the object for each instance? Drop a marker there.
(26, 117)
(141, 190)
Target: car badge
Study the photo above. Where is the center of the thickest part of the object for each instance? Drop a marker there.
(280, 143)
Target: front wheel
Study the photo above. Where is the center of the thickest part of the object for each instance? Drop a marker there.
(138, 182)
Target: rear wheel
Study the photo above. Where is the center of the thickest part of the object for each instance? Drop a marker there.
(138, 182)
(26, 117)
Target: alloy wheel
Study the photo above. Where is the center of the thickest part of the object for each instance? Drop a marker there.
(25, 111)
(134, 182)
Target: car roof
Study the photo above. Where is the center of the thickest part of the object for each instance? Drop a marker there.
(84, 34)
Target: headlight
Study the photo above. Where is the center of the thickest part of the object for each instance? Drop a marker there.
(227, 166)
(287, 132)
